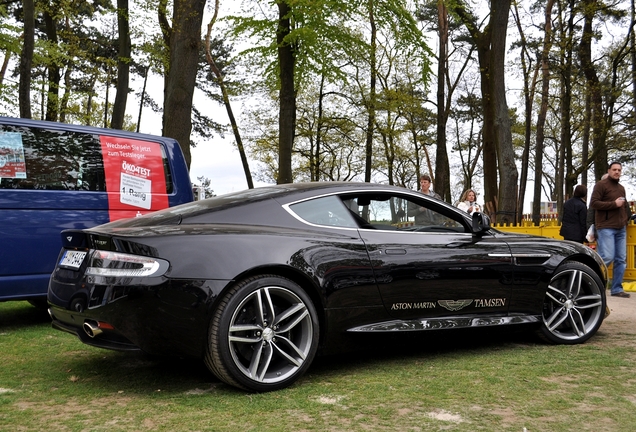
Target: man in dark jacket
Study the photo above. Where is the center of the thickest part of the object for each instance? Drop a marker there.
(573, 222)
(610, 219)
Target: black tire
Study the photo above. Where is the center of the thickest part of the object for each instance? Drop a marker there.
(263, 335)
(574, 305)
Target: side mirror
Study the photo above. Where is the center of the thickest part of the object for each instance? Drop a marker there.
(481, 223)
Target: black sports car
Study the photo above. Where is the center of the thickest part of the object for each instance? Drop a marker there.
(256, 282)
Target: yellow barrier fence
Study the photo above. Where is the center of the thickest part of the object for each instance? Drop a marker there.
(550, 228)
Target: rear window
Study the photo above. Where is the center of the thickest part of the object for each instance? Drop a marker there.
(48, 159)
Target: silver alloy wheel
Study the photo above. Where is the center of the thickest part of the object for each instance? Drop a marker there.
(270, 334)
(574, 306)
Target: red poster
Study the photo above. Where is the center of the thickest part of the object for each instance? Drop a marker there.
(135, 178)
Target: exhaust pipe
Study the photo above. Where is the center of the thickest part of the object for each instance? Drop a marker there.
(91, 328)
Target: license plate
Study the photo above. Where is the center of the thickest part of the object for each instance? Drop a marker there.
(72, 259)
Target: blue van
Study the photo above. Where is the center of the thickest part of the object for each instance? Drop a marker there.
(55, 176)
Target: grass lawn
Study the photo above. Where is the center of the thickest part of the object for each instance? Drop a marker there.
(454, 382)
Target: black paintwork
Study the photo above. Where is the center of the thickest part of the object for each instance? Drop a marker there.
(360, 280)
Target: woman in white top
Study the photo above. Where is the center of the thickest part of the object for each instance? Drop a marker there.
(468, 202)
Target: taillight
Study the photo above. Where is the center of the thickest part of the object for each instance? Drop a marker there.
(117, 264)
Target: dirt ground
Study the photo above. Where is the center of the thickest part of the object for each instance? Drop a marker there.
(622, 314)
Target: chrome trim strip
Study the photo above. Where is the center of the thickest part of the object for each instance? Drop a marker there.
(444, 323)
(520, 255)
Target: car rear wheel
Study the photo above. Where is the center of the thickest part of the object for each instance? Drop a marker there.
(263, 335)
(574, 305)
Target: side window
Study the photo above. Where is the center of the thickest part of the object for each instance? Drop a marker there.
(324, 211)
(378, 211)
(34, 158)
(423, 217)
(394, 212)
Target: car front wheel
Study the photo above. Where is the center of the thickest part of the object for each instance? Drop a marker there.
(263, 335)
(574, 305)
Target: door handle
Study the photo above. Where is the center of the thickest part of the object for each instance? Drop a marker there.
(395, 251)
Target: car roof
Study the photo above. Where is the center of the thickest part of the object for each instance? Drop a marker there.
(260, 200)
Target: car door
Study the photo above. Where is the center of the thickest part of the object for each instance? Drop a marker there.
(433, 270)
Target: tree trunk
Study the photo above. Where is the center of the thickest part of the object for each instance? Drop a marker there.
(287, 94)
(599, 147)
(632, 45)
(142, 96)
(529, 85)
(5, 64)
(26, 58)
(67, 94)
(508, 174)
(566, 107)
(587, 121)
(109, 73)
(543, 109)
(315, 157)
(442, 169)
(123, 66)
(184, 60)
(166, 33)
(372, 89)
(483, 42)
(53, 94)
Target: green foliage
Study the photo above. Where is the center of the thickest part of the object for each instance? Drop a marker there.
(9, 33)
(324, 33)
(332, 49)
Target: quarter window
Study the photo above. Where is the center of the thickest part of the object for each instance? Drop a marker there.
(324, 211)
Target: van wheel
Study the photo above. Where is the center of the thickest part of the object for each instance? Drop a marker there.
(263, 335)
(574, 305)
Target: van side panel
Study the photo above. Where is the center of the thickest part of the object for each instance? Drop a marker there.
(56, 176)
(31, 243)
(135, 177)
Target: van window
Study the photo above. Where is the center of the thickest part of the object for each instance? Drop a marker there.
(44, 159)
(32, 158)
